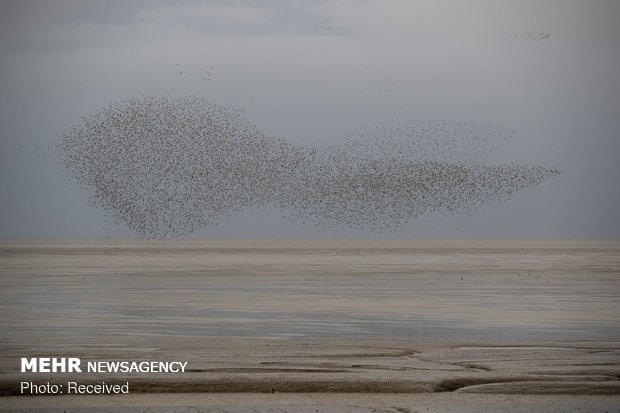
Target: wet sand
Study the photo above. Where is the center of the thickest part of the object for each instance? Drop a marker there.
(321, 402)
(433, 321)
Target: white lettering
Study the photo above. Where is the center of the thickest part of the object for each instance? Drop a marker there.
(31, 388)
(44, 365)
(29, 365)
(50, 365)
(74, 365)
(103, 388)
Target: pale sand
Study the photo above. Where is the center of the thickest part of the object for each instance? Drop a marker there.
(533, 322)
(317, 402)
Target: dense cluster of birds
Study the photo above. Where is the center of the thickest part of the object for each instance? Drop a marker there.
(167, 166)
(532, 36)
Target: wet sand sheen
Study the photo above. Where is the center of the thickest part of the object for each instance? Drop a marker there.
(519, 317)
(494, 291)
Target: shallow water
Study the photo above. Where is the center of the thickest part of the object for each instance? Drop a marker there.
(91, 293)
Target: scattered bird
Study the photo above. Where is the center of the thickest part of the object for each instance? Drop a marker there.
(531, 36)
(206, 75)
(166, 166)
(323, 28)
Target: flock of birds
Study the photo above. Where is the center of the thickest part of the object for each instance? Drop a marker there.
(166, 166)
(532, 36)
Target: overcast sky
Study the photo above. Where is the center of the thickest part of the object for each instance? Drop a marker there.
(311, 71)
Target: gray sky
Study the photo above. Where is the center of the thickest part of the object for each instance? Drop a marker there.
(311, 71)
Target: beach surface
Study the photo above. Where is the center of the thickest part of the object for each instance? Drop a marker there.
(286, 325)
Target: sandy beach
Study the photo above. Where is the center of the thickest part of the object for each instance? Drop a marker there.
(319, 325)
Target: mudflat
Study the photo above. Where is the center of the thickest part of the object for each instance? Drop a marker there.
(424, 323)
